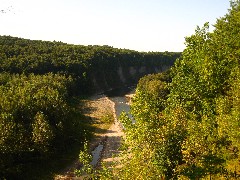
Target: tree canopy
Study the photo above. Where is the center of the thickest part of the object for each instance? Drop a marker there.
(83, 63)
(187, 122)
(38, 82)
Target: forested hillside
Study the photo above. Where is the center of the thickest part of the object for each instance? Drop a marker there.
(39, 81)
(93, 68)
(187, 122)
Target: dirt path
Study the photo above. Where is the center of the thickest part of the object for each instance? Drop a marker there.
(98, 108)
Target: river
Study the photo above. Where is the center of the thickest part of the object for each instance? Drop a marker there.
(121, 104)
(118, 96)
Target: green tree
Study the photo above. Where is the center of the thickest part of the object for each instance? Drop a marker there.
(189, 129)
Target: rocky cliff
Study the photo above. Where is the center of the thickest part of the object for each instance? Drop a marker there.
(105, 80)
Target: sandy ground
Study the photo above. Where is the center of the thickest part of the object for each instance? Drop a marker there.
(95, 108)
(112, 136)
(113, 142)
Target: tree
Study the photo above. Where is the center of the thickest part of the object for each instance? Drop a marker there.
(189, 129)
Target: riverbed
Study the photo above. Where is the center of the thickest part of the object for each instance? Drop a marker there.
(105, 146)
(118, 96)
(105, 151)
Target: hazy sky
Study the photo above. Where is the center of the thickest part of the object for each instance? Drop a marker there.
(143, 25)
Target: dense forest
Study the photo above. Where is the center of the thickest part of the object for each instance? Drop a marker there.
(91, 67)
(39, 82)
(187, 119)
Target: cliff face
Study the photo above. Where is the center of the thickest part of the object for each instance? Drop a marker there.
(105, 80)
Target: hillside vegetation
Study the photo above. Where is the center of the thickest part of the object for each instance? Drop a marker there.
(39, 83)
(187, 121)
(93, 68)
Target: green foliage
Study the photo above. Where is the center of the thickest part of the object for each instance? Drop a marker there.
(34, 118)
(83, 63)
(37, 79)
(87, 170)
(202, 86)
(141, 158)
(186, 124)
(42, 133)
(201, 83)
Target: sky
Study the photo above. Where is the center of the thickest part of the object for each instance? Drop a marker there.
(142, 25)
